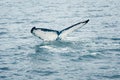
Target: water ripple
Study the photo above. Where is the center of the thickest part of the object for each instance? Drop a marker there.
(112, 77)
(42, 72)
(3, 33)
(5, 69)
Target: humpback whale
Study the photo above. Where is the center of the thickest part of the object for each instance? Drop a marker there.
(51, 35)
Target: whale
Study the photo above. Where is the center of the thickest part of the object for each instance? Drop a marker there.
(52, 35)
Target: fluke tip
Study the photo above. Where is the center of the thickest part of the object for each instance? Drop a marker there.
(87, 21)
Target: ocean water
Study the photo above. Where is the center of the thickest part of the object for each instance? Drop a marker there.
(90, 53)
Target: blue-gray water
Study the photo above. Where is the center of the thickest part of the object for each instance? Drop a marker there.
(90, 53)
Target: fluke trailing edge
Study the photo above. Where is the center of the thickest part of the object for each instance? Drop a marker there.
(51, 35)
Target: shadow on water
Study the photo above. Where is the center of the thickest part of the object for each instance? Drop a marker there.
(52, 47)
(46, 51)
(57, 43)
(58, 47)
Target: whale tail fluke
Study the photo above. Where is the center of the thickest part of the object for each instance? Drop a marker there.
(50, 35)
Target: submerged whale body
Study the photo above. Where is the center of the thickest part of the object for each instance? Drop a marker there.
(51, 35)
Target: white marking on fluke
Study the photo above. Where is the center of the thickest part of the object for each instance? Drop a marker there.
(51, 35)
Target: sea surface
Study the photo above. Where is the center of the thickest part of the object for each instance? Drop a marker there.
(90, 53)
